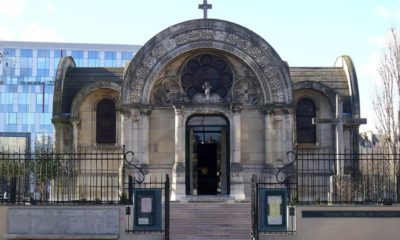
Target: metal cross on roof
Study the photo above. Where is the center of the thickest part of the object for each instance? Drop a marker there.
(205, 7)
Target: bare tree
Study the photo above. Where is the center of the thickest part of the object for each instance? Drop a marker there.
(384, 104)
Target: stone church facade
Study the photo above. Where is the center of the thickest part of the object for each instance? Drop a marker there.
(210, 103)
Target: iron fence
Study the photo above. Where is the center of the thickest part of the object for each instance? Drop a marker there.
(324, 176)
(49, 177)
(312, 177)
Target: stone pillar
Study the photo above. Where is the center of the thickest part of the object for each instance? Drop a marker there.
(339, 136)
(287, 133)
(237, 185)
(179, 135)
(290, 130)
(130, 138)
(135, 131)
(144, 135)
(270, 137)
(178, 170)
(75, 134)
(237, 128)
(127, 130)
(63, 135)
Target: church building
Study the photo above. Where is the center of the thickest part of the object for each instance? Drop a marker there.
(209, 102)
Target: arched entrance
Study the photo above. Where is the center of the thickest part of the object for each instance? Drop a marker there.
(207, 155)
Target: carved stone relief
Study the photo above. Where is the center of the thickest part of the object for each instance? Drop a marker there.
(167, 90)
(246, 45)
(246, 90)
(207, 78)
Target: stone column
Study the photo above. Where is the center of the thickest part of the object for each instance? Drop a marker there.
(237, 129)
(144, 135)
(269, 137)
(237, 185)
(286, 133)
(75, 136)
(179, 135)
(63, 135)
(127, 130)
(290, 130)
(178, 170)
(130, 138)
(339, 136)
(135, 131)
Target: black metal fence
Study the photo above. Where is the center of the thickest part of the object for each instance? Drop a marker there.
(366, 178)
(84, 177)
(312, 177)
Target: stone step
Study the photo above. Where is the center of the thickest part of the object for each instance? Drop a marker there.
(210, 220)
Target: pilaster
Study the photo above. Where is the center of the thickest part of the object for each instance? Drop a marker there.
(270, 136)
(144, 123)
(236, 178)
(75, 134)
(178, 169)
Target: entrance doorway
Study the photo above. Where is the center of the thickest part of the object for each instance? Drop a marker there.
(207, 155)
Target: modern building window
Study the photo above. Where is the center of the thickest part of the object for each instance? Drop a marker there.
(110, 59)
(9, 61)
(26, 62)
(106, 121)
(126, 57)
(43, 63)
(78, 57)
(58, 54)
(93, 59)
(45, 118)
(305, 129)
(11, 118)
(41, 102)
(9, 52)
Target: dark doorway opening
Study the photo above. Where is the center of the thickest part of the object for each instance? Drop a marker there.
(207, 169)
(207, 155)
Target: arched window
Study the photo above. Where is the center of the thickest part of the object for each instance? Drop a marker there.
(305, 129)
(105, 121)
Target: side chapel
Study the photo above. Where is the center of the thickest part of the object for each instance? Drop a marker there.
(209, 102)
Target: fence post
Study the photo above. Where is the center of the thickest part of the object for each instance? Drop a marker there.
(254, 208)
(13, 190)
(130, 189)
(166, 207)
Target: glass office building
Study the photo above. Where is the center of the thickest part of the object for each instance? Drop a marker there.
(27, 75)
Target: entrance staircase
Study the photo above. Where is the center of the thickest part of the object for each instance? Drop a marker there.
(210, 221)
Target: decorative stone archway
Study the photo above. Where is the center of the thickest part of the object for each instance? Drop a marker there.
(176, 40)
(196, 37)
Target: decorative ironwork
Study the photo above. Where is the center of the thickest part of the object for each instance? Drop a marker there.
(130, 160)
(287, 170)
(254, 208)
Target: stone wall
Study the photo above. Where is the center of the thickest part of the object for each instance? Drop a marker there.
(252, 142)
(162, 137)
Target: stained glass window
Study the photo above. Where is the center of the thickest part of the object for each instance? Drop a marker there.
(207, 69)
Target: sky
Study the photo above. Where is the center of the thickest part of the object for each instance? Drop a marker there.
(303, 32)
